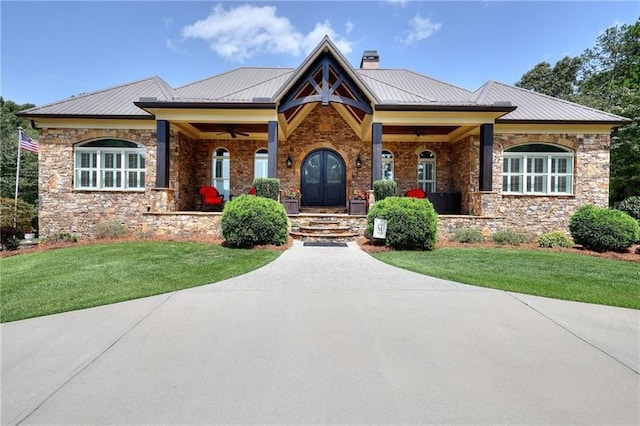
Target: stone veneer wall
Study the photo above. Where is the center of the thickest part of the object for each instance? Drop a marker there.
(324, 128)
(63, 209)
(539, 214)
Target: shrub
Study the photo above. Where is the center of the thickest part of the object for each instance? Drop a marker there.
(60, 237)
(601, 229)
(383, 189)
(509, 237)
(109, 229)
(24, 213)
(267, 187)
(248, 221)
(12, 243)
(468, 235)
(412, 223)
(554, 239)
(631, 206)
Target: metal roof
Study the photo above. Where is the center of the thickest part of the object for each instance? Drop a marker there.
(261, 86)
(403, 86)
(241, 84)
(112, 102)
(533, 106)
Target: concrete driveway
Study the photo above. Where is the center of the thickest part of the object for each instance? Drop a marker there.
(326, 335)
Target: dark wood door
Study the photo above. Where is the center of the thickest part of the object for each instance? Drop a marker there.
(323, 179)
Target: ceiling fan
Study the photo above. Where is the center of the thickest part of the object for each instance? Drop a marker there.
(234, 134)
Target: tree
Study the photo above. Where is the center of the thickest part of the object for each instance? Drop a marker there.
(559, 81)
(28, 182)
(606, 77)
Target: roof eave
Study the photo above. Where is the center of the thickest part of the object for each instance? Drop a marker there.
(88, 116)
(205, 105)
(616, 123)
(463, 108)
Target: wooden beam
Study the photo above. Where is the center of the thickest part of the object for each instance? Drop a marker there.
(162, 153)
(376, 148)
(272, 147)
(486, 157)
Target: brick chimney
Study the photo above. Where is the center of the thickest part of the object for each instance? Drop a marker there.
(370, 60)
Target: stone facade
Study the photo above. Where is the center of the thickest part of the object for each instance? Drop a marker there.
(174, 209)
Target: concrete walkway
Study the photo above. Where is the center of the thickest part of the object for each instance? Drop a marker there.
(326, 335)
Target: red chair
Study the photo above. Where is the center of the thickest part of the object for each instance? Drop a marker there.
(252, 191)
(211, 199)
(416, 193)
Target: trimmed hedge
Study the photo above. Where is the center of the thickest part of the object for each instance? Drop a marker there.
(554, 239)
(248, 221)
(601, 229)
(412, 223)
(631, 206)
(383, 189)
(267, 187)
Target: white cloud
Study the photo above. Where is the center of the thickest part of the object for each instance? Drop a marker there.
(420, 29)
(348, 27)
(173, 46)
(400, 2)
(245, 31)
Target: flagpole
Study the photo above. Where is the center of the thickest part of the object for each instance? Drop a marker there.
(15, 201)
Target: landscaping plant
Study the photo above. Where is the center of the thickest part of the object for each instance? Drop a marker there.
(601, 229)
(24, 215)
(109, 229)
(267, 187)
(554, 239)
(248, 221)
(509, 237)
(468, 235)
(631, 206)
(383, 189)
(412, 223)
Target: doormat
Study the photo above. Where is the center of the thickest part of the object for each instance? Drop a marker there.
(323, 244)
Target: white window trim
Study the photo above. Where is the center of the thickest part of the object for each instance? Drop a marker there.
(262, 157)
(99, 170)
(226, 180)
(422, 183)
(525, 174)
(388, 161)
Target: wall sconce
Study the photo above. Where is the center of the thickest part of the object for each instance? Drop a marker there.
(358, 162)
(289, 161)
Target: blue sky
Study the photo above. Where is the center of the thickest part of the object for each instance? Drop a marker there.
(52, 50)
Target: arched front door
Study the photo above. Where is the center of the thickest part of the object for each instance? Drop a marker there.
(324, 180)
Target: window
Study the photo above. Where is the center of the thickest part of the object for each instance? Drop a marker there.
(427, 171)
(537, 169)
(220, 168)
(109, 164)
(387, 165)
(261, 164)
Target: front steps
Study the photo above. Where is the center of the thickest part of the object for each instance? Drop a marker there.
(321, 227)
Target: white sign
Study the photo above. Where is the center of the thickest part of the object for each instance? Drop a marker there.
(379, 228)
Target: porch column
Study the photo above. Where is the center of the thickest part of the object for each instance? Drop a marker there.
(376, 152)
(162, 154)
(272, 146)
(486, 157)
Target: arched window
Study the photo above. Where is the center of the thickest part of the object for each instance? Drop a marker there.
(109, 164)
(427, 171)
(387, 165)
(220, 171)
(537, 169)
(261, 163)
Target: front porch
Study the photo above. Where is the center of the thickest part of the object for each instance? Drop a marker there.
(198, 224)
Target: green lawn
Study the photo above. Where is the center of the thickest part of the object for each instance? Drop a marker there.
(61, 280)
(553, 274)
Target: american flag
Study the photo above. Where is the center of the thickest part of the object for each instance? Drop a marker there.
(27, 143)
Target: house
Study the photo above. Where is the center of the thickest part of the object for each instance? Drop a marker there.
(498, 157)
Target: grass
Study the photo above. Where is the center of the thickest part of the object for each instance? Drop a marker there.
(53, 281)
(552, 274)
